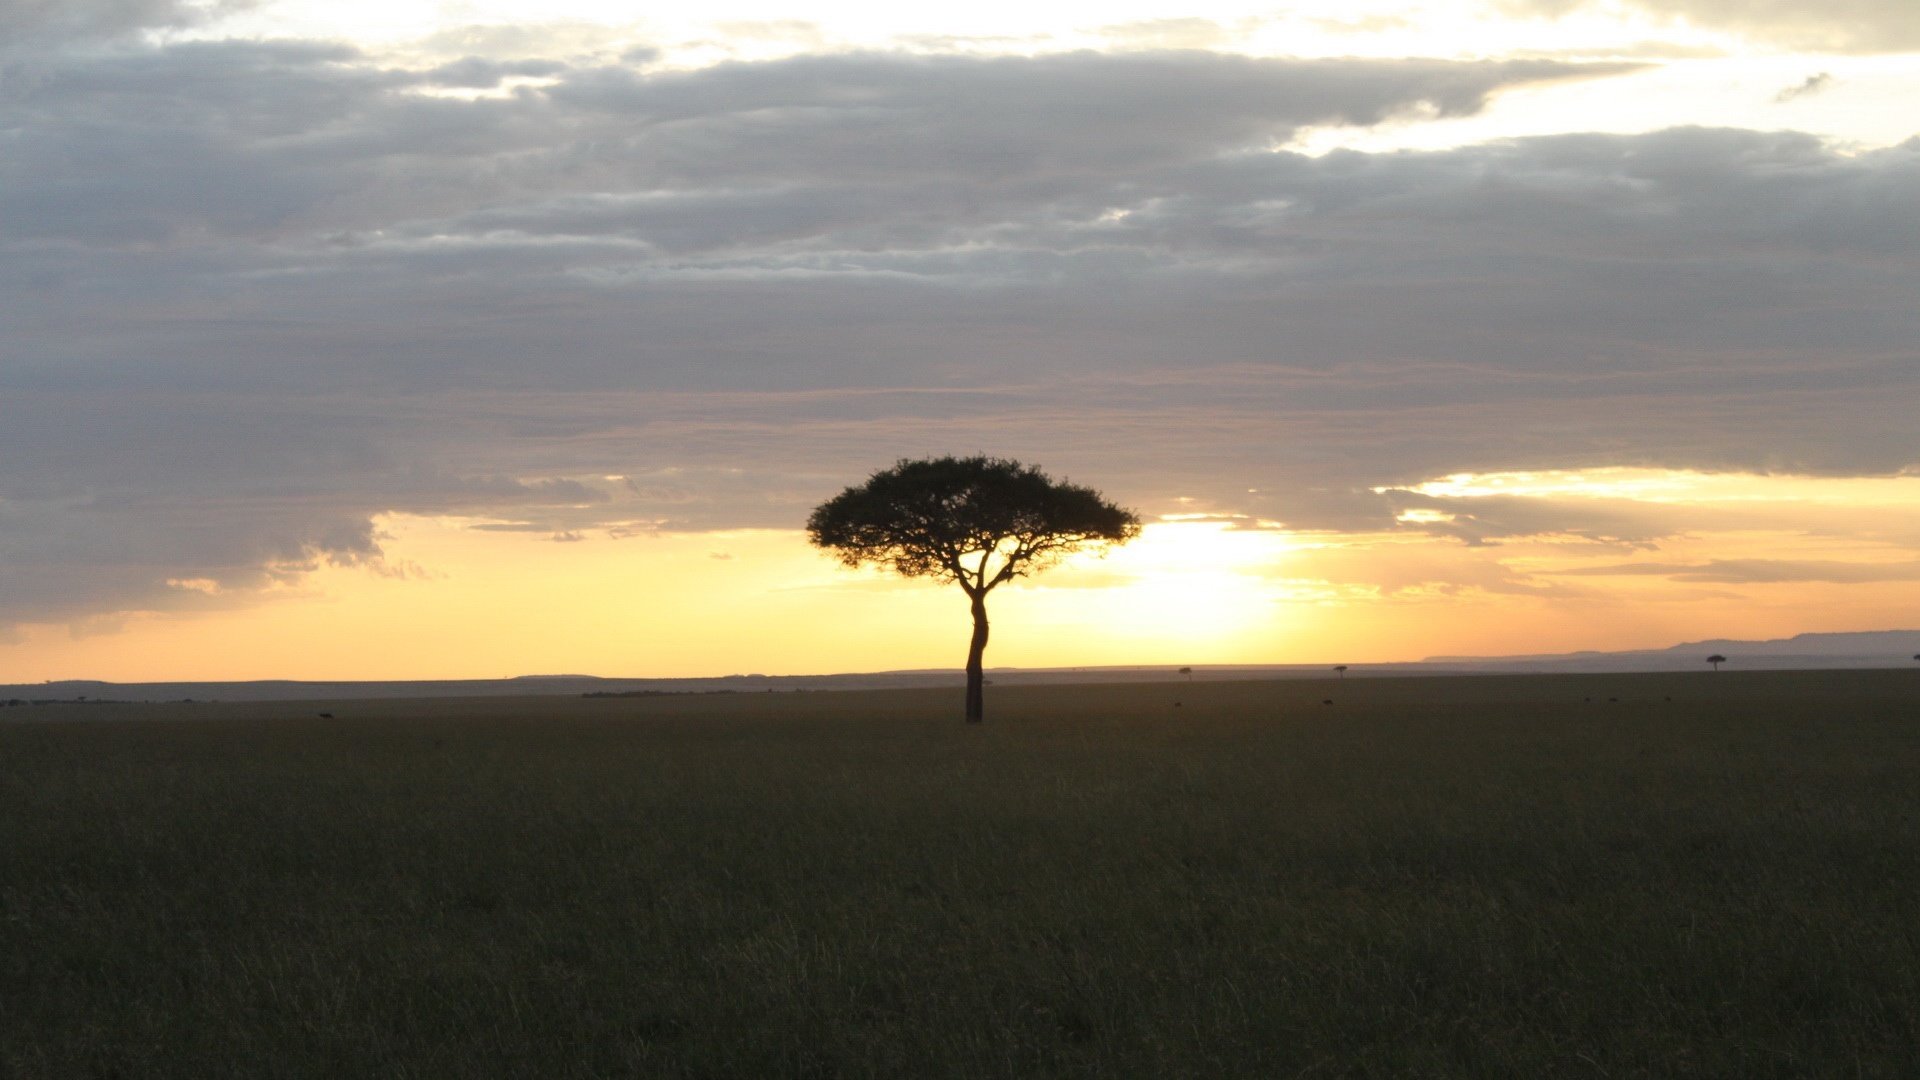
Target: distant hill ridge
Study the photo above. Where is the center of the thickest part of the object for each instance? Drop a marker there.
(1864, 649)
(1900, 645)
(1861, 643)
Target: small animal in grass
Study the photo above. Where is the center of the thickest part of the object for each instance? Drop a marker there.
(324, 715)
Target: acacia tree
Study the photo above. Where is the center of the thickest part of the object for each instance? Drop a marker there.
(1716, 660)
(977, 521)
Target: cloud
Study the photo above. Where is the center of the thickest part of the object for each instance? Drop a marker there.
(478, 73)
(1490, 519)
(286, 139)
(37, 35)
(44, 22)
(1410, 574)
(1177, 33)
(1758, 571)
(1857, 26)
(1814, 84)
(263, 293)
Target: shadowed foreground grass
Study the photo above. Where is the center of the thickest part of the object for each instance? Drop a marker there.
(1716, 875)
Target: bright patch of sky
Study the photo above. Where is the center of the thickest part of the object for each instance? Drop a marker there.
(1858, 102)
(1677, 486)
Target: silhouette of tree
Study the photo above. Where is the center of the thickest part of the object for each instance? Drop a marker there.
(1188, 672)
(1716, 660)
(1342, 669)
(975, 521)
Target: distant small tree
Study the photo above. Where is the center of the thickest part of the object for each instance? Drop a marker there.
(1342, 669)
(1188, 672)
(1716, 660)
(977, 521)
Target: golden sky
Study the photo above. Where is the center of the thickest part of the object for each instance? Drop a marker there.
(1783, 555)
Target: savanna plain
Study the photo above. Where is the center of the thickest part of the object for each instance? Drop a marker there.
(1710, 874)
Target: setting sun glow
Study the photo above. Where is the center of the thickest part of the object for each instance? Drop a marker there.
(456, 598)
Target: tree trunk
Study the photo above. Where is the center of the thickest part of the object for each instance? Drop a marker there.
(976, 674)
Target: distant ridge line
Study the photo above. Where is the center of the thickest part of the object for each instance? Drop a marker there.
(1868, 649)
(1860, 645)
(1679, 658)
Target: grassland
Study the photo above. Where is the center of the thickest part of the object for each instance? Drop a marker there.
(1713, 875)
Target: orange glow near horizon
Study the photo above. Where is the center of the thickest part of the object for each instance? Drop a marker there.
(1735, 556)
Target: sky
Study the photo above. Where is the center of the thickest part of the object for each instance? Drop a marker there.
(426, 339)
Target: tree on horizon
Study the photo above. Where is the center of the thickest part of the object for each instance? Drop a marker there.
(976, 521)
(1716, 660)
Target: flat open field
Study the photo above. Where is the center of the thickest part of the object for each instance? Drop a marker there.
(1714, 875)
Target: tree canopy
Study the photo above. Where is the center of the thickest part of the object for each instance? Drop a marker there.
(977, 521)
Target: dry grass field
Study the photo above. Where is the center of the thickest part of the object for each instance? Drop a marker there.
(1712, 875)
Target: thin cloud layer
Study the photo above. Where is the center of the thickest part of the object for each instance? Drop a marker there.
(267, 292)
(1759, 571)
(1864, 26)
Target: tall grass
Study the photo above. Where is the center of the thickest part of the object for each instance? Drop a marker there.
(1714, 875)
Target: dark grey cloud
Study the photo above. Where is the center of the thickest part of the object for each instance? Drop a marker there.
(480, 73)
(1814, 84)
(261, 293)
(36, 35)
(263, 140)
(44, 23)
(1864, 26)
(1005, 119)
